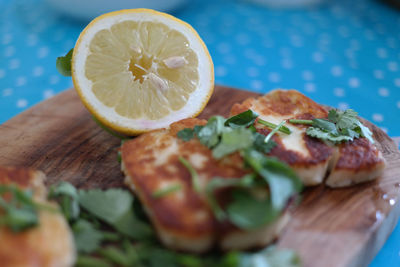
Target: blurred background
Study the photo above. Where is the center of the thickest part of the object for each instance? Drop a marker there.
(341, 53)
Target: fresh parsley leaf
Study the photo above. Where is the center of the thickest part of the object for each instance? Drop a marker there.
(209, 134)
(271, 257)
(364, 131)
(282, 180)
(20, 212)
(325, 125)
(67, 196)
(243, 119)
(321, 134)
(232, 141)
(63, 64)
(193, 174)
(248, 212)
(91, 261)
(114, 206)
(261, 145)
(186, 134)
(87, 237)
(343, 119)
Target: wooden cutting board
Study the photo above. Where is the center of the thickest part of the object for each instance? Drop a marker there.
(331, 227)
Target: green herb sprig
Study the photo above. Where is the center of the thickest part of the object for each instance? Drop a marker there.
(63, 64)
(340, 126)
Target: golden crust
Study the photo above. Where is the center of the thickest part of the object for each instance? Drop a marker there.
(350, 158)
(48, 244)
(182, 219)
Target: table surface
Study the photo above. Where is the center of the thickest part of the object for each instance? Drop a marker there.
(341, 53)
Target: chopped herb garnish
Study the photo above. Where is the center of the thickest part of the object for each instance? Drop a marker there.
(20, 210)
(186, 134)
(63, 64)
(67, 196)
(272, 126)
(340, 126)
(193, 174)
(243, 119)
(167, 190)
(276, 129)
(233, 140)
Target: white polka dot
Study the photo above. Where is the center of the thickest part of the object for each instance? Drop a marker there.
(7, 38)
(397, 82)
(317, 57)
(252, 72)
(393, 66)
(54, 79)
(43, 52)
(378, 74)
(32, 40)
(250, 53)
(14, 64)
(307, 75)
(337, 71)
(2, 73)
(377, 117)
(383, 92)
(230, 60)
(354, 82)
(20, 81)
(339, 92)
(48, 93)
(260, 60)
(285, 51)
(391, 42)
(7, 92)
(224, 48)
(344, 31)
(220, 71)
(256, 85)
(22, 103)
(274, 77)
(296, 41)
(398, 104)
(381, 52)
(9, 51)
(242, 39)
(343, 105)
(310, 87)
(287, 63)
(38, 71)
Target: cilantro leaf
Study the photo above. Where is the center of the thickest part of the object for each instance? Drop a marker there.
(318, 133)
(282, 180)
(67, 196)
(364, 131)
(186, 134)
(20, 212)
(248, 212)
(243, 119)
(167, 190)
(209, 134)
(87, 237)
(343, 119)
(232, 141)
(63, 64)
(325, 125)
(114, 206)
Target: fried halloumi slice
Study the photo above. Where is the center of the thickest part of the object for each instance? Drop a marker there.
(312, 159)
(183, 219)
(50, 243)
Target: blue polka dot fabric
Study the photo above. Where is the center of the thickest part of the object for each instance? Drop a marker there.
(342, 53)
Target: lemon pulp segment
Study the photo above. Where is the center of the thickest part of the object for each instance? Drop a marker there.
(142, 69)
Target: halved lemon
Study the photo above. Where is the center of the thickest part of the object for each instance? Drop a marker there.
(139, 69)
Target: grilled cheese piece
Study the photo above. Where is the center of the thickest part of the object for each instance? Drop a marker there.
(312, 159)
(183, 219)
(50, 243)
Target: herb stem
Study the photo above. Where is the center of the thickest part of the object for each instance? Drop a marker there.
(271, 125)
(307, 122)
(269, 136)
(193, 173)
(167, 190)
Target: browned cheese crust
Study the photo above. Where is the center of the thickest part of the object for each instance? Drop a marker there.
(183, 219)
(48, 244)
(313, 160)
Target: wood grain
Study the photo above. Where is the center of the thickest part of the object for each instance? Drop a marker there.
(331, 227)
